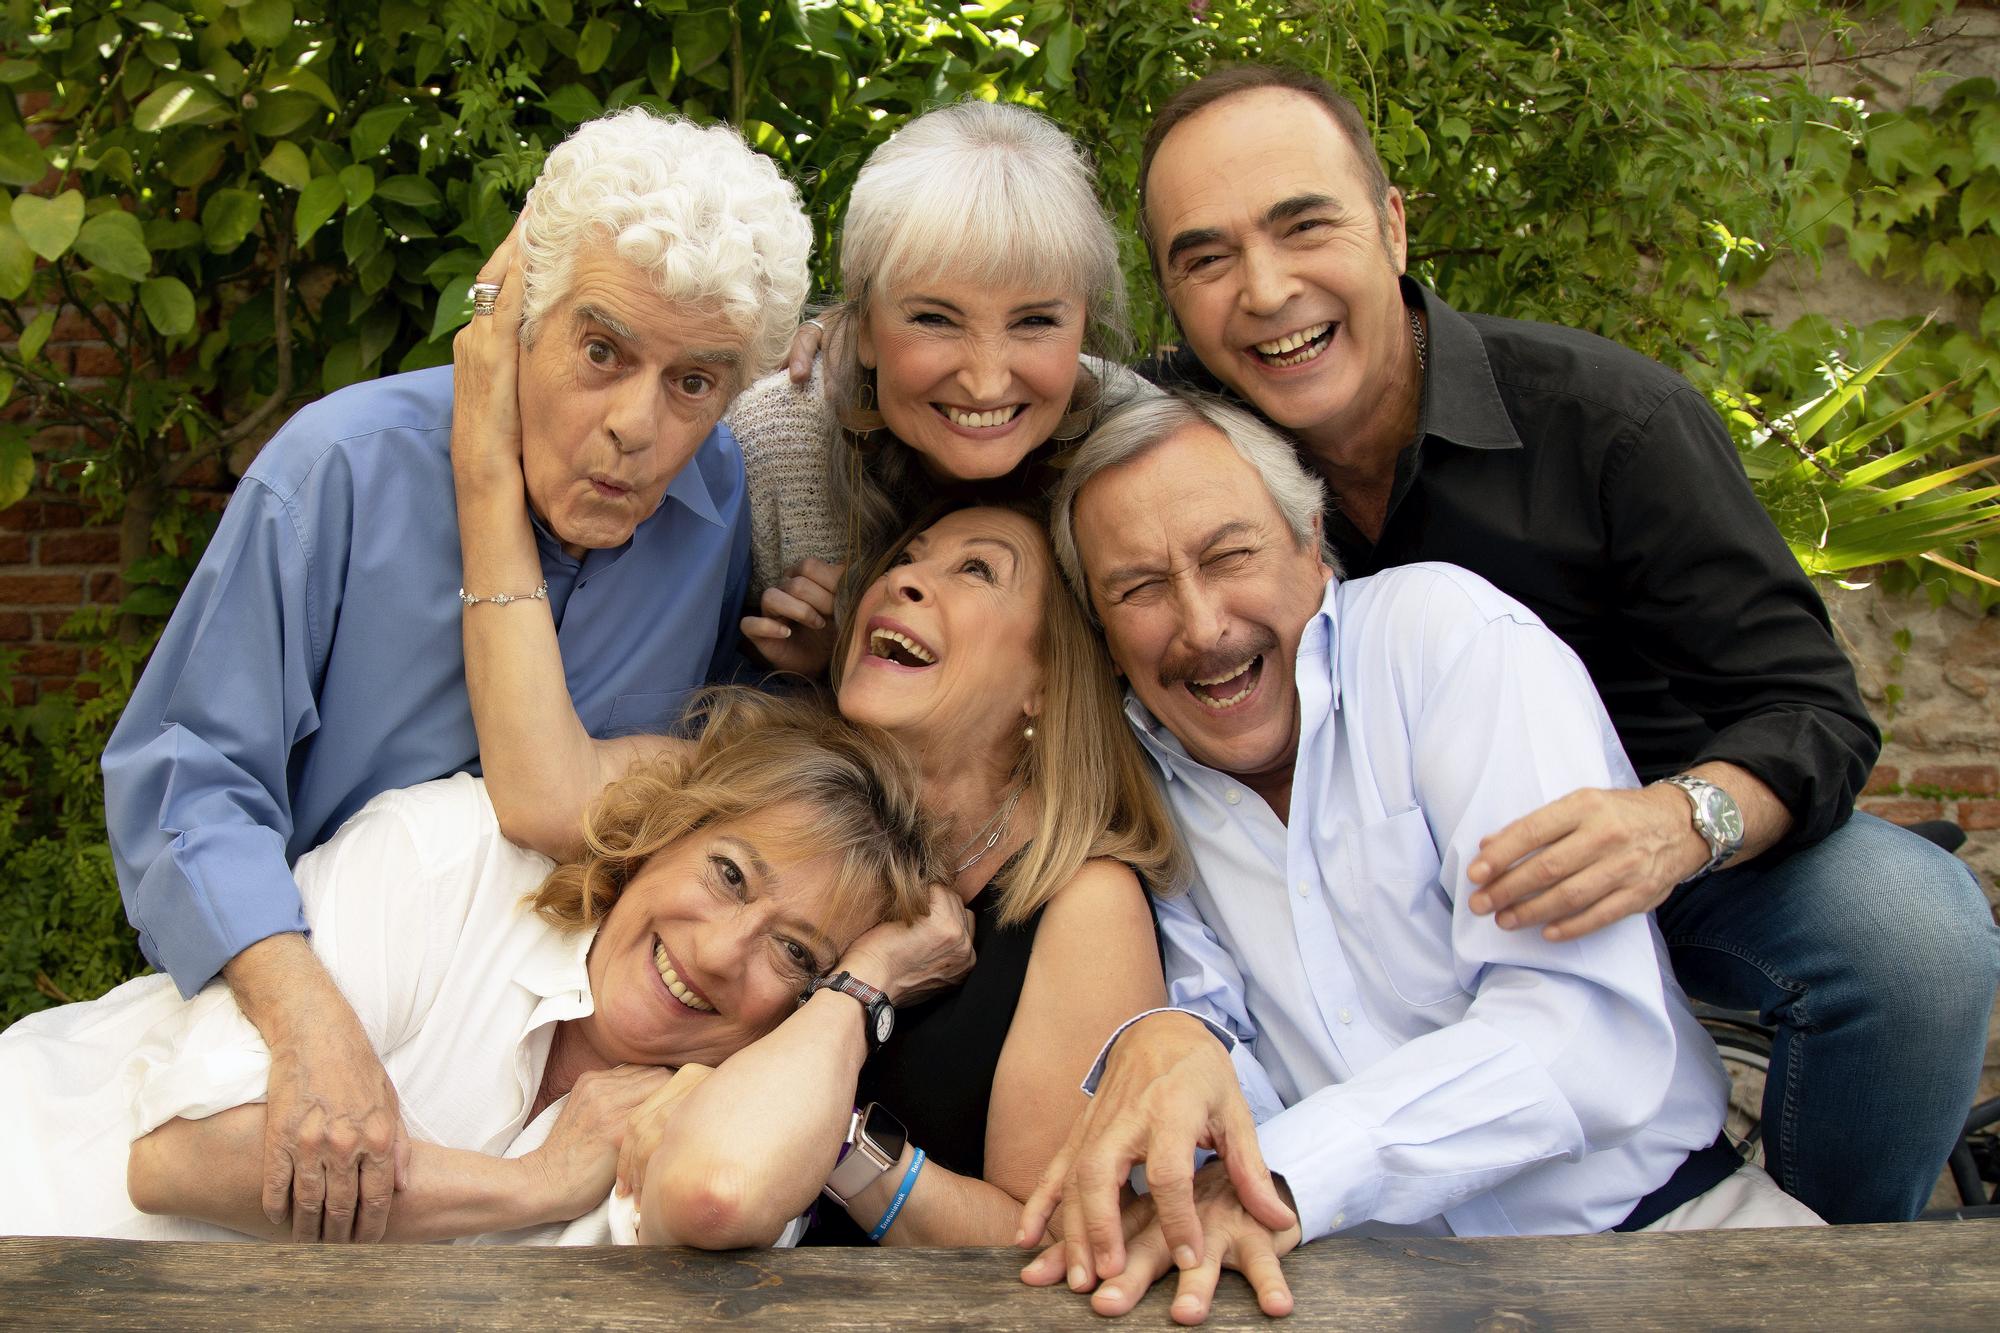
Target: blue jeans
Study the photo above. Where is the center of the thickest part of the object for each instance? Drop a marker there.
(1874, 955)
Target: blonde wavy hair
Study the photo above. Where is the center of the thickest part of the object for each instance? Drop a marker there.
(757, 752)
(1094, 793)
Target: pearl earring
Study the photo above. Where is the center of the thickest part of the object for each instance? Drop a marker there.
(1028, 732)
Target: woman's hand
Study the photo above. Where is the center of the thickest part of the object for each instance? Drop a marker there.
(579, 1161)
(796, 633)
(648, 1124)
(805, 346)
(920, 959)
(485, 359)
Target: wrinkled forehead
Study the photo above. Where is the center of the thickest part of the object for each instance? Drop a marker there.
(1164, 505)
(1247, 151)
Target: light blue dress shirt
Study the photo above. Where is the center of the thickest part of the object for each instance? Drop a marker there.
(1410, 1063)
(315, 658)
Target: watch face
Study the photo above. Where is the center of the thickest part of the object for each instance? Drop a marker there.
(1723, 816)
(885, 1023)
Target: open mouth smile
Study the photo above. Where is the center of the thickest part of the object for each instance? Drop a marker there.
(685, 995)
(1297, 348)
(895, 646)
(991, 419)
(1221, 693)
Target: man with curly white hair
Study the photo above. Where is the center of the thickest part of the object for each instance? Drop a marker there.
(316, 657)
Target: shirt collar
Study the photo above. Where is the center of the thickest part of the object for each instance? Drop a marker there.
(1462, 401)
(556, 966)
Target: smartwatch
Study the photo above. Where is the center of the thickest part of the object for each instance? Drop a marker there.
(1715, 817)
(881, 1014)
(875, 1142)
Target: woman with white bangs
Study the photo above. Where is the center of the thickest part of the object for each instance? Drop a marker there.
(980, 329)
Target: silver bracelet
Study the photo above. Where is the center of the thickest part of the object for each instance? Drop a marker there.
(540, 594)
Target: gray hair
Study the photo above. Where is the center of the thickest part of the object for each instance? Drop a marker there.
(710, 222)
(985, 191)
(1130, 432)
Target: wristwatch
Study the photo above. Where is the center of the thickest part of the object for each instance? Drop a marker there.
(1716, 819)
(875, 1142)
(881, 1014)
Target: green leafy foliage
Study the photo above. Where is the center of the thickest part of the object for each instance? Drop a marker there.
(250, 202)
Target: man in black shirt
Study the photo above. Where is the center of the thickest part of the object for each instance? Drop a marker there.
(1599, 488)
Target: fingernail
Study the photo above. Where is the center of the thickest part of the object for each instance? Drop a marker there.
(1184, 1256)
(1020, 1238)
(1481, 903)
(1076, 1277)
(1506, 920)
(1476, 871)
(784, 631)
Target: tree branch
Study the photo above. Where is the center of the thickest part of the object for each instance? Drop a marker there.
(1804, 61)
(282, 325)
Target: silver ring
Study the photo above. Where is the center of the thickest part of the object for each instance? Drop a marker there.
(814, 322)
(485, 295)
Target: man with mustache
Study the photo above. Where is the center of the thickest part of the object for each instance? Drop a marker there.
(1333, 751)
(1602, 491)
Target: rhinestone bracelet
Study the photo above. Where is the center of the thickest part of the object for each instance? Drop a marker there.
(540, 594)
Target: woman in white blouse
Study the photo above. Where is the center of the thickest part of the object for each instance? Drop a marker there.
(527, 1012)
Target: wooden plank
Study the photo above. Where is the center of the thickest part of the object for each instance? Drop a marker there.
(1930, 1276)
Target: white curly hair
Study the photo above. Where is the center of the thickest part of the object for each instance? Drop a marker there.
(709, 221)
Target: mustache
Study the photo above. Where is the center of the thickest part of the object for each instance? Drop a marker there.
(1218, 660)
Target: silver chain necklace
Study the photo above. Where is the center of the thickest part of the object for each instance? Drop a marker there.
(998, 824)
(1423, 340)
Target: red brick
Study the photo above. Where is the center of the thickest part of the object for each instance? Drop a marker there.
(1979, 816)
(82, 689)
(50, 659)
(92, 546)
(95, 361)
(24, 691)
(41, 589)
(104, 588)
(1904, 812)
(1886, 777)
(72, 325)
(1979, 779)
(16, 627)
(13, 550)
(31, 102)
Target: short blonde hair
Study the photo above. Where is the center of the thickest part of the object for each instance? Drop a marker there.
(985, 191)
(757, 752)
(1094, 793)
(709, 222)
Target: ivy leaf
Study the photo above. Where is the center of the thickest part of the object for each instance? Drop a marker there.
(169, 305)
(318, 202)
(49, 226)
(1979, 204)
(303, 80)
(374, 129)
(454, 307)
(228, 217)
(594, 45)
(286, 164)
(37, 334)
(1061, 51)
(178, 103)
(573, 103)
(357, 183)
(116, 242)
(17, 263)
(22, 161)
(17, 466)
(266, 22)
(410, 191)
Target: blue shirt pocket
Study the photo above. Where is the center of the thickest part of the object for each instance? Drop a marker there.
(1392, 890)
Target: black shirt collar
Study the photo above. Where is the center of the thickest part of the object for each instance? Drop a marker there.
(1461, 398)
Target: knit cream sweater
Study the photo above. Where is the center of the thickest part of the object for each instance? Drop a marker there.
(785, 431)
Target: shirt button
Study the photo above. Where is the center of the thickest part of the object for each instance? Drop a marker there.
(1346, 1017)
(1303, 891)
(1232, 796)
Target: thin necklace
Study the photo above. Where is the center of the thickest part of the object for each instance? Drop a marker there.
(999, 826)
(1423, 340)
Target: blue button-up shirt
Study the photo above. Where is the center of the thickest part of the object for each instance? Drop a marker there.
(315, 658)
(1409, 1062)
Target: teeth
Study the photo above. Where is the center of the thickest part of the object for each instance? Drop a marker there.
(1293, 341)
(999, 416)
(674, 985)
(1227, 675)
(877, 639)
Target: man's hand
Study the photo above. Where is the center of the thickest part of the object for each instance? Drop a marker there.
(908, 963)
(1168, 1088)
(335, 1150)
(1231, 1238)
(1580, 863)
(795, 631)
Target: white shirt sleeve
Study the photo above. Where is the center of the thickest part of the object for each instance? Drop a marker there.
(1503, 725)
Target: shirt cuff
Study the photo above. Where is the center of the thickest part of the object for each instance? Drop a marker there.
(1328, 1162)
(1096, 1074)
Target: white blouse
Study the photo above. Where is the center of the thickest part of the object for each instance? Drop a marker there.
(419, 912)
